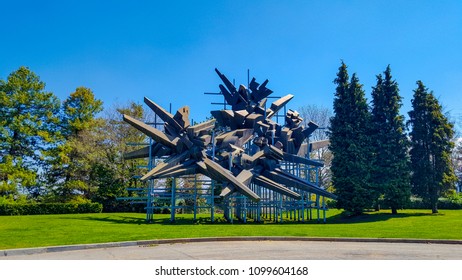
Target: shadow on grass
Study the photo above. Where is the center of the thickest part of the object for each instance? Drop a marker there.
(121, 219)
(114, 219)
(372, 217)
(341, 218)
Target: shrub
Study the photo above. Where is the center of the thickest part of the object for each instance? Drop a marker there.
(8, 209)
(443, 203)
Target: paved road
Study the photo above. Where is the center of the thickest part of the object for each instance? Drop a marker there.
(262, 250)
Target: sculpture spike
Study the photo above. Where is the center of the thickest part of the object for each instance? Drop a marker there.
(245, 177)
(278, 105)
(302, 160)
(139, 153)
(164, 115)
(150, 131)
(165, 164)
(185, 168)
(218, 173)
(319, 145)
(288, 179)
(227, 191)
(270, 184)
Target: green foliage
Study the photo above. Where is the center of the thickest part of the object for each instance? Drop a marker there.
(431, 146)
(14, 176)
(443, 203)
(49, 208)
(71, 162)
(390, 165)
(453, 196)
(29, 126)
(109, 188)
(351, 145)
(80, 110)
(17, 198)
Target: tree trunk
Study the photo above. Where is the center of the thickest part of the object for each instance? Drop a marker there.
(434, 200)
(394, 211)
(377, 206)
(434, 208)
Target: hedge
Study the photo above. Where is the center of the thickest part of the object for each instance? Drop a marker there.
(442, 204)
(10, 209)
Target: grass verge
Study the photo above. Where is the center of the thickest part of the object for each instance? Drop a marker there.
(52, 230)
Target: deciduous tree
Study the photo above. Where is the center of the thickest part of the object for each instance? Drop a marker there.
(72, 161)
(113, 174)
(321, 116)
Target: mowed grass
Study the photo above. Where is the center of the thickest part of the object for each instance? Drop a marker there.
(52, 230)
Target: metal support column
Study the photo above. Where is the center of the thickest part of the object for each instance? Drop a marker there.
(195, 197)
(212, 202)
(173, 201)
(317, 206)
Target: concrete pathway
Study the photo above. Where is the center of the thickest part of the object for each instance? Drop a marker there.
(256, 250)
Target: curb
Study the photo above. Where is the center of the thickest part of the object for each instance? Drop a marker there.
(144, 243)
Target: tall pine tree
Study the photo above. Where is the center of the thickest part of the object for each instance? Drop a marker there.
(350, 145)
(390, 169)
(29, 118)
(432, 172)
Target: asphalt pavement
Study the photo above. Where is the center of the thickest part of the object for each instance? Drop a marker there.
(249, 249)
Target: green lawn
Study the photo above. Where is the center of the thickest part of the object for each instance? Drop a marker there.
(50, 230)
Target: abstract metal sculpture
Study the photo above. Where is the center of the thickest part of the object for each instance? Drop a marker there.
(249, 151)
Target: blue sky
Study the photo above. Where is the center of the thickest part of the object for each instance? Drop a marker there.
(167, 50)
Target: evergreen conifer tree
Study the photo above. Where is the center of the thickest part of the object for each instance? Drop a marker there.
(432, 172)
(29, 118)
(390, 168)
(350, 145)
